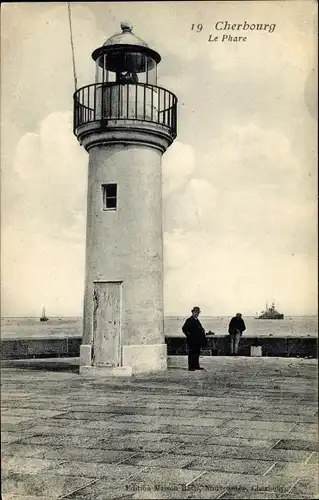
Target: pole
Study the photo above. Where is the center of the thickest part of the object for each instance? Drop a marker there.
(72, 49)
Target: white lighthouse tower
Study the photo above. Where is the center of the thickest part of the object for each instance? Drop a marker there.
(125, 122)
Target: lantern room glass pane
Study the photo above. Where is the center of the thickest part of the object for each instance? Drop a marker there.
(152, 75)
(126, 67)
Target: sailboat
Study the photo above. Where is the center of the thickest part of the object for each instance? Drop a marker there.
(43, 317)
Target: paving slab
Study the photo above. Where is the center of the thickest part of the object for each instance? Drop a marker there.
(95, 470)
(305, 487)
(271, 434)
(296, 444)
(234, 441)
(166, 437)
(161, 477)
(218, 440)
(136, 445)
(22, 450)
(50, 430)
(45, 485)
(243, 482)
(262, 425)
(28, 412)
(148, 419)
(245, 428)
(23, 466)
(294, 469)
(258, 467)
(314, 459)
(121, 427)
(193, 430)
(34, 405)
(306, 428)
(244, 453)
(10, 437)
(85, 455)
(159, 460)
(287, 418)
(19, 426)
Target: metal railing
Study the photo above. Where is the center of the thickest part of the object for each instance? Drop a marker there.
(133, 101)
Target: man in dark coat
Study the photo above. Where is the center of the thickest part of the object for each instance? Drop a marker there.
(235, 329)
(195, 338)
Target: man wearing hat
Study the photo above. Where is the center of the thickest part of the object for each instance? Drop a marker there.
(195, 338)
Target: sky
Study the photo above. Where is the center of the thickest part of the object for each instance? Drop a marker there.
(239, 182)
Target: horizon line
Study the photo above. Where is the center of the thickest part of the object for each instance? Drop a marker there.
(168, 315)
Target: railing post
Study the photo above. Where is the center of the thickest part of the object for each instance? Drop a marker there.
(88, 105)
(135, 101)
(164, 114)
(127, 100)
(158, 104)
(152, 94)
(102, 103)
(94, 103)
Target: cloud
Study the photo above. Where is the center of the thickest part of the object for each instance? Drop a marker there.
(39, 71)
(43, 223)
(223, 278)
(40, 269)
(49, 181)
(243, 231)
(178, 164)
(248, 183)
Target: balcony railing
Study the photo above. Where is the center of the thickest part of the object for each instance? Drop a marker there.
(104, 102)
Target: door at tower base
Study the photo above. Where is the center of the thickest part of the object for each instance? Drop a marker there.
(110, 354)
(107, 324)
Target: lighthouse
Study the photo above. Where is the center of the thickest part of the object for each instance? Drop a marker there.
(125, 121)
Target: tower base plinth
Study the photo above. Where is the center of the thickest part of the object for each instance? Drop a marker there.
(141, 358)
(145, 358)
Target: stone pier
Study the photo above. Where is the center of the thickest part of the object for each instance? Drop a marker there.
(245, 428)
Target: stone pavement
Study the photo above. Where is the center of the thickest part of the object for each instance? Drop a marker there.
(245, 428)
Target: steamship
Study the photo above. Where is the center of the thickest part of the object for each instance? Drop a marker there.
(270, 313)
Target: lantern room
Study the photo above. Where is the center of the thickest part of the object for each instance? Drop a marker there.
(125, 91)
(125, 58)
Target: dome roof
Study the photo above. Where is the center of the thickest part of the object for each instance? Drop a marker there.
(125, 42)
(126, 37)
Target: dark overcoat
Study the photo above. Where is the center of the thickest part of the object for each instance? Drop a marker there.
(195, 333)
(236, 324)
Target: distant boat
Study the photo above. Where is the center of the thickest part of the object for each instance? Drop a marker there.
(43, 317)
(270, 313)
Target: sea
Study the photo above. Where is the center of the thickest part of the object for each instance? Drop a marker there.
(292, 326)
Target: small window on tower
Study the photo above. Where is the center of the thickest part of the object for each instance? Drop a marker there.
(109, 196)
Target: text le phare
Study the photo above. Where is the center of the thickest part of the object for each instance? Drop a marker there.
(234, 32)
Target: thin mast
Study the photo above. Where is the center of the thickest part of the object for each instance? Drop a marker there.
(72, 49)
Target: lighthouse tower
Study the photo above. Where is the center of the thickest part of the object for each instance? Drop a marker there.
(125, 122)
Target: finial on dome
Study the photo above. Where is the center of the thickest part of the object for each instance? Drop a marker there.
(126, 26)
